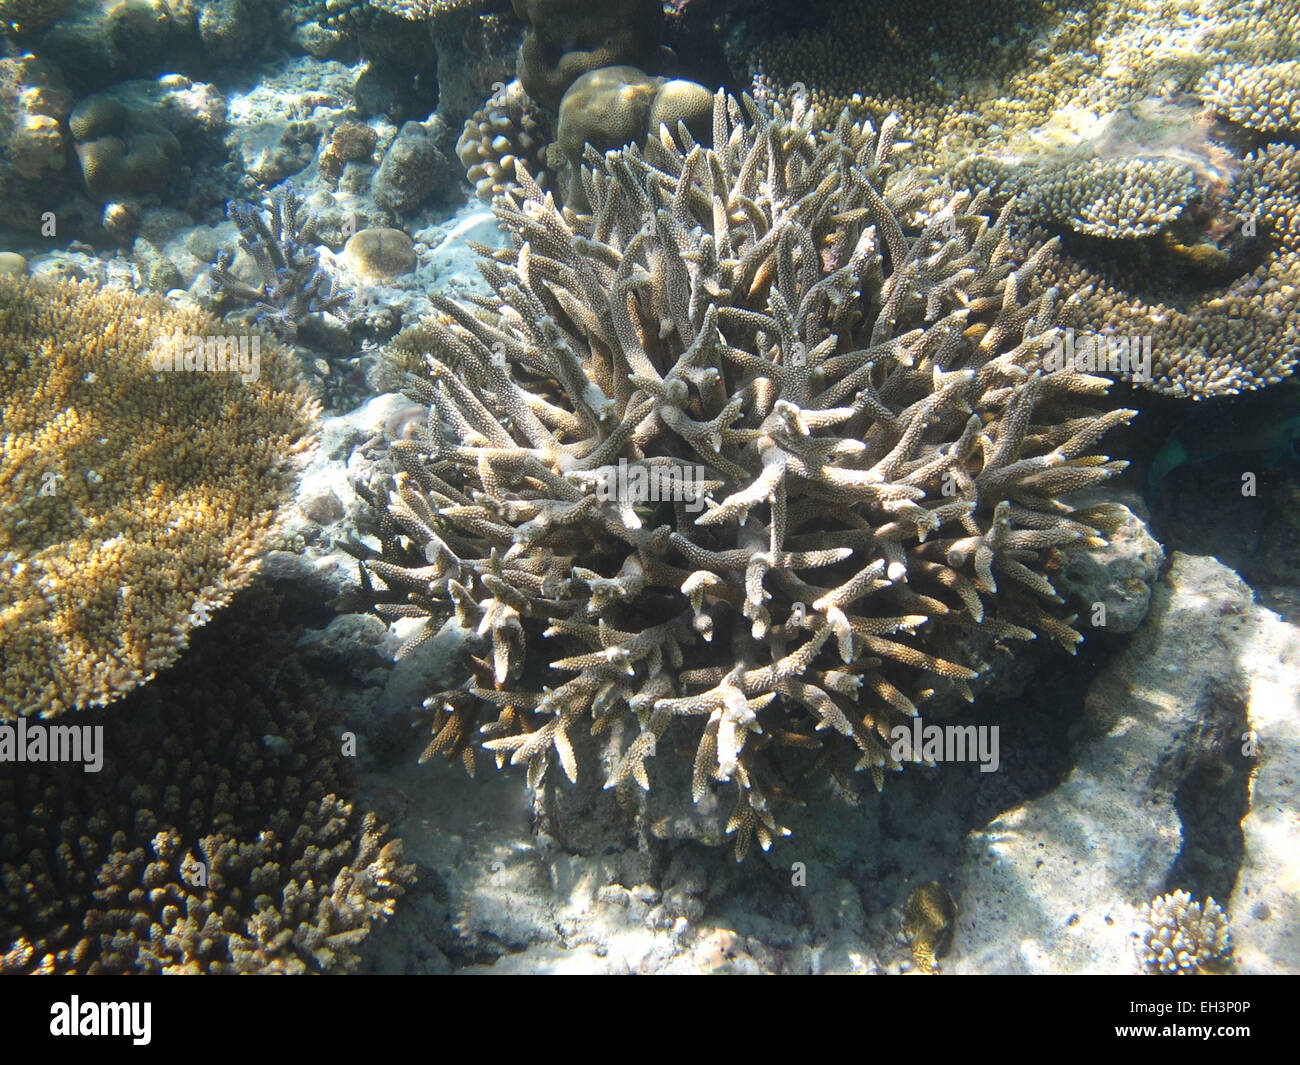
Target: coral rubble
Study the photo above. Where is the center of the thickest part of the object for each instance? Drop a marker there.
(762, 447)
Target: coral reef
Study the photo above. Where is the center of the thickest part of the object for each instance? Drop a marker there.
(99, 43)
(761, 447)
(134, 501)
(31, 16)
(214, 839)
(1181, 937)
(1088, 112)
(282, 243)
(34, 103)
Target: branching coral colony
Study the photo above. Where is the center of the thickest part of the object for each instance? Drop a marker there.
(851, 363)
(282, 243)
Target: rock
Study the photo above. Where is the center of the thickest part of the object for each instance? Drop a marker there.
(1053, 885)
(414, 170)
(13, 264)
(1111, 586)
(1264, 909)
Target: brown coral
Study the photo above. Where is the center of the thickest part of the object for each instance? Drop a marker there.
(214, 838)
(832, 371)
(506, 130)
(134, 501)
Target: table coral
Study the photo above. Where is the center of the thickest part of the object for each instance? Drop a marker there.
(1109, 120)
(133, 501)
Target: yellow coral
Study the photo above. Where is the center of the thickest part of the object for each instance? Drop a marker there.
(131, 501)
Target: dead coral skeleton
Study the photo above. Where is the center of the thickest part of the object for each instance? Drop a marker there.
(850, 363)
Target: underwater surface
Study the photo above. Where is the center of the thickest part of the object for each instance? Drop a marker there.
(691, 487)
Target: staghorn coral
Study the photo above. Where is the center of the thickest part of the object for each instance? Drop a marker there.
(1087, 110)
(836, 366)
(282, 243)
(215, 838)
(133, 502)
(1181, 937)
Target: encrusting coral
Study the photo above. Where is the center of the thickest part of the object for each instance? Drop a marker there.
(132, 501)
(215, 836)
(1181, 937)
(760, 447)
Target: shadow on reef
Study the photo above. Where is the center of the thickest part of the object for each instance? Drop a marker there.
(1222, 478)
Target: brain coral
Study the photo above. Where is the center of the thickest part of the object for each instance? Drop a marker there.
(215, 838)
(756, 449)
(132, 501)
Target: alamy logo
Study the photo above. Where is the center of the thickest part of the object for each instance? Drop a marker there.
(643, 483)
(1100, 353)
(180, 352)
(946, 743)
(35, 742)
(102, 1018)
